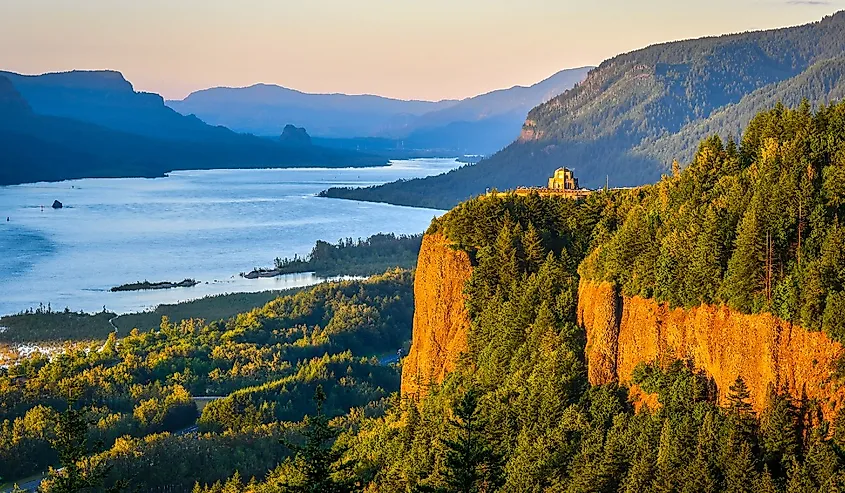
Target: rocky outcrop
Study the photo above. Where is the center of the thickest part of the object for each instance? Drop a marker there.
(764, 350)
(530, 132)
(295, 136)
(441, 322)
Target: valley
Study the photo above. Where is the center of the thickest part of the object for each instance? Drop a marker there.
(623, 278)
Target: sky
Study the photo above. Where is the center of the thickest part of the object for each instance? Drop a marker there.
(409, 49)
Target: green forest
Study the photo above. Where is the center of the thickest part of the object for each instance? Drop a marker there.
(305, 405)
(137, 392)
(519, 415)
(374, 255)
(754, 225)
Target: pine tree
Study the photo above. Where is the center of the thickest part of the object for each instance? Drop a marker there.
(641, 474)
(700, 478)
(705, 269)
(740, 471)
(778, 430)
(319, 460)
(739, 397)
(532, 245)
(412, 421)
(78, 473)
(765, 483)
(471, 466)
(822, 462)
(745, 275)
(742, 413)
(799, 481)
(676, 168)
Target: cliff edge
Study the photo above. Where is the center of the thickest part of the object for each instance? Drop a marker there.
(441, 321)
(625, 331)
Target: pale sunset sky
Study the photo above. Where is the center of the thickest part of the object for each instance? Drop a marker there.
(410, 49)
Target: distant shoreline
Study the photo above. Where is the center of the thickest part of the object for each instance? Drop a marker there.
(165, 174)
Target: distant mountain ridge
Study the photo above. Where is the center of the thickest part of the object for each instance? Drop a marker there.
(484, 124)
(265, 109)
(480, 124)
(106, 98)
(92, 124)
(638, 111)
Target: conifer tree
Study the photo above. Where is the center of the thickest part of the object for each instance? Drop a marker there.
(778, 430)
(319, 460)
(78, 473)
(739, 397)
(821, 461)
(705, 269)
(740, 471)
(532, 245)
(700, 478)
(744, 278)
(471, 465)
(765, 482)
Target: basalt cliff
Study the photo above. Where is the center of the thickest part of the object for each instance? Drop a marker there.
(441, 321)
(625, 331)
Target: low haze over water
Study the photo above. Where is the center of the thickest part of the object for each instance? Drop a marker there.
(206, 225)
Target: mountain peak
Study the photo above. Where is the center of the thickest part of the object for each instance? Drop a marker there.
(295, 136)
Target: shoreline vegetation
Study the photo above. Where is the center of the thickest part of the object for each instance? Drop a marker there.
(146, 285)
(43, 326)
(362, 258)
(375, 255)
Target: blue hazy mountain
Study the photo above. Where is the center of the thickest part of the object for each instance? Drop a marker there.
(265, 109)
(68, 127)
(481, 124)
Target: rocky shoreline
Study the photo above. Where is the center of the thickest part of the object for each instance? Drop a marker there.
(255, 274)
(140, 286)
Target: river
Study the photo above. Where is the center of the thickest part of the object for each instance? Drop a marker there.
(206, 225)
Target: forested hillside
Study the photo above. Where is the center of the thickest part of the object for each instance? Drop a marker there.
(638, 111)
(518, 413)
(268, 362)
(754, 224)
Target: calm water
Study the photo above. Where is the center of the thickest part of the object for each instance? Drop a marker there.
(206, 225)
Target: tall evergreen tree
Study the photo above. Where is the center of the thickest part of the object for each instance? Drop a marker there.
(740, 471)
(745, 275)
(78, 473)
(739, 397)
(319, 460)
(532, 245)
(471, 465)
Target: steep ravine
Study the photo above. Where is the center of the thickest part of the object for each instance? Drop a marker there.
(625, 331)
(441, 321)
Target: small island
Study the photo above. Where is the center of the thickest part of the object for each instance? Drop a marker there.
(139, 286)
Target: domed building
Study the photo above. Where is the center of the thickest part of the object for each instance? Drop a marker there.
(563, 179)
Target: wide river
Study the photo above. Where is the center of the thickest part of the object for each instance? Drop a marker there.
(206, 225)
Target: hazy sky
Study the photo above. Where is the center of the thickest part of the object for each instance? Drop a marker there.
(425, 49)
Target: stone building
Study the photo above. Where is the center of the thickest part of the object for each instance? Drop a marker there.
(563, 179)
